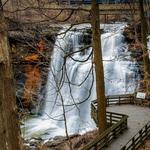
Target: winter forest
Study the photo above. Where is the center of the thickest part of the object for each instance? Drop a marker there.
(74, 74)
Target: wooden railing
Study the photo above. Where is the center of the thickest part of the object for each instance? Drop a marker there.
(116, 125)
(119, 123)
(112, 100)
(111, 117)
(120, 99)
(138, 139)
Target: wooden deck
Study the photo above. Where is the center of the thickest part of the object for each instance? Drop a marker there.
(118, 122)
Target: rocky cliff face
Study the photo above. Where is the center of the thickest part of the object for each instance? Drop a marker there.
(31, 50)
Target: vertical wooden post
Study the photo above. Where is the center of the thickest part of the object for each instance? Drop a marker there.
(146, 128)
(141, 138)
(133, 143)
(119, 100)
(114, 133)
(110, 118)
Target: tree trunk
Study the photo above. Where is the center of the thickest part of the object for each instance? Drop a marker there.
(9, 127)
(100, 86)
(144, 29)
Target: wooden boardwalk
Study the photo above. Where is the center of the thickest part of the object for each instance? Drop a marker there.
(138, 117)
(138, 123)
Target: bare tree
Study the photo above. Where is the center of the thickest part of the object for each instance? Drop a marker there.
(9, 126)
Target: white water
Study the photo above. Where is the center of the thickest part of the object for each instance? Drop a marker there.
(64, 82)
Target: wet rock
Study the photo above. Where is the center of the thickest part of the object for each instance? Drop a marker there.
(60, 142)
(59, 138)
(32, 144)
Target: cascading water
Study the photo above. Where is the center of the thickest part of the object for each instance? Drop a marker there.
(71, 83)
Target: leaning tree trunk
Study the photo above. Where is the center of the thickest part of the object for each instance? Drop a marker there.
(100, 86)
(9, 127)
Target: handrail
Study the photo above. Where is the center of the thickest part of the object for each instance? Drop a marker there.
(123, 99)
(116, 124)
(102, 140)
(111, 117)
(116, 121)
(138, 138)
(118, 99)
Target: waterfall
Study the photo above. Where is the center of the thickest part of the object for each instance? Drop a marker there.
(71, 81)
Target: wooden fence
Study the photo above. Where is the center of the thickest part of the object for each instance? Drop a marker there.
(124, 99)
(118, 124)
(138, 139)
(117, 99)
(112, 117)
(120, 99)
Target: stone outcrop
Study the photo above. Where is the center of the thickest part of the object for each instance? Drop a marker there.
(31, 48)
